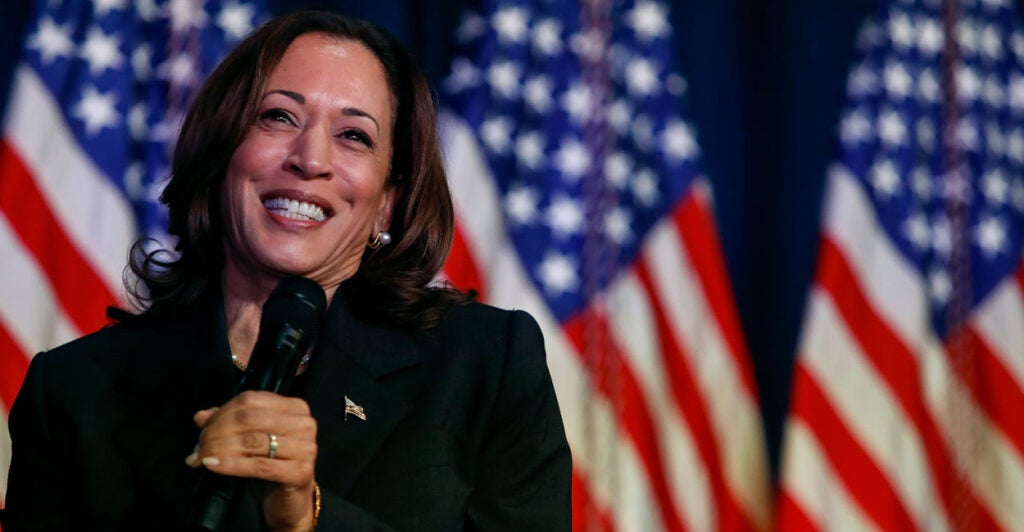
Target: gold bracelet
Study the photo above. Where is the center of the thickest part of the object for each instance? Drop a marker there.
(316, 503)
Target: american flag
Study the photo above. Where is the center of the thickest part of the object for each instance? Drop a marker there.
(907, 396)
(579, 198)
(96, 103)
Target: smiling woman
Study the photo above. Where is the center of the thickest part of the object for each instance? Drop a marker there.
(311, 151)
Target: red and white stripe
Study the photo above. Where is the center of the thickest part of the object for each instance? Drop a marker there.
(64, 230)
(884, 431)
(665, 430)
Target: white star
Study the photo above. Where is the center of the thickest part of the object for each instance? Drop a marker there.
(1017, 43)
(643, 132)
(901, 31)
(496, 132)
(51, 40)
(641, 77)
(1017, 92)
(676, 85)
(617, 168)
(995, 140)
(504, 79)
(994, 5)
(855, 128)
(558, 274)
(885, 179)
(967, 35)
(471, 27)
(917, 231)
(897, 81)
(991, 43)
(677, 141)
(995, 186)
(147, 10)
(186, 14)
(530, 150)
(565, 216)
(133, 184)
(649, 20)
(645, 187)
(862, 81)
(620, 116)
(921, 183)
(166, 129)
(968, 86)
(930, 37)
(97, 110)
(926, 134)
(572, 159)
(101, 51)
(942, 236)
(618, 225)
(990, 235)
(967, 135)
(547, 37)
(137, 122)
(578, 101)
(955, 188)
(511, 24)
(939, 285)
(537, 93)
(1015, 146)
(521, 205)
(464, 75)
(179, 70)
(928, 88)
(236, 20)
(891, 129)
(588, 46)
(104, 7)
(994, 95)
(1017, 194)
(142, 58)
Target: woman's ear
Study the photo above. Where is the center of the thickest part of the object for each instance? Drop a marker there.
(387, 206)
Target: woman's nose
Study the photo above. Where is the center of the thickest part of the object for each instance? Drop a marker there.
(310, 155)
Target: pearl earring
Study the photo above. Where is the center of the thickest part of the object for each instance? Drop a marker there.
(382, 238)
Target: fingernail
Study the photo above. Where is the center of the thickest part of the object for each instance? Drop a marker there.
(211, 461)
(193, 459)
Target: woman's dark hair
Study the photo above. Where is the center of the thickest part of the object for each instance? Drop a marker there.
(392, 284)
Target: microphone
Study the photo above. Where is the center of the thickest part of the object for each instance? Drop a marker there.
(292, 318)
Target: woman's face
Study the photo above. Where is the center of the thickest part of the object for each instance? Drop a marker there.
(306, 187)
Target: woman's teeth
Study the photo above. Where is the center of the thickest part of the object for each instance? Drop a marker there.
(296, 210)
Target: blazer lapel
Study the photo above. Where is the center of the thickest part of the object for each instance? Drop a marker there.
(177, 374)
(372, 368)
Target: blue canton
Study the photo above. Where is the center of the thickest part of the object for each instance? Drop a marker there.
(578, 112)
(123, 72)
(892, 139)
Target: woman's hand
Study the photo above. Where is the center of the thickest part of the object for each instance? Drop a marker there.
(236, 441)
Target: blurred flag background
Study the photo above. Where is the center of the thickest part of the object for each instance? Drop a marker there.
(905, 410)
(646, 179)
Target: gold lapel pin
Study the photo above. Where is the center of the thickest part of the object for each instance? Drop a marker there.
(354, 409)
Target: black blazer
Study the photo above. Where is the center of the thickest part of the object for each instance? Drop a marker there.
(462, 428)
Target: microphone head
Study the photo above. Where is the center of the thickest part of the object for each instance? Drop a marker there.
(297, 301)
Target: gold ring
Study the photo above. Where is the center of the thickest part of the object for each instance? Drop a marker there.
(273, 445)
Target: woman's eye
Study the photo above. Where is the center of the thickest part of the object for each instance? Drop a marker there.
(276, 115)
(358, 136)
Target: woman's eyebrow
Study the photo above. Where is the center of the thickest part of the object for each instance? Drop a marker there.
(347, 111)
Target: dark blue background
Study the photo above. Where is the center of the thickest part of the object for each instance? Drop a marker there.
(766, 82)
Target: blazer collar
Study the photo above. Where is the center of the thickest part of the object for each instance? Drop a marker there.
(375, 369)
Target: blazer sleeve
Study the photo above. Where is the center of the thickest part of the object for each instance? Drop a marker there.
(37, 487)
(525, 468)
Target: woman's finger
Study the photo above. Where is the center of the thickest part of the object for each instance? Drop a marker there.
(286, 472)
(263, 445)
